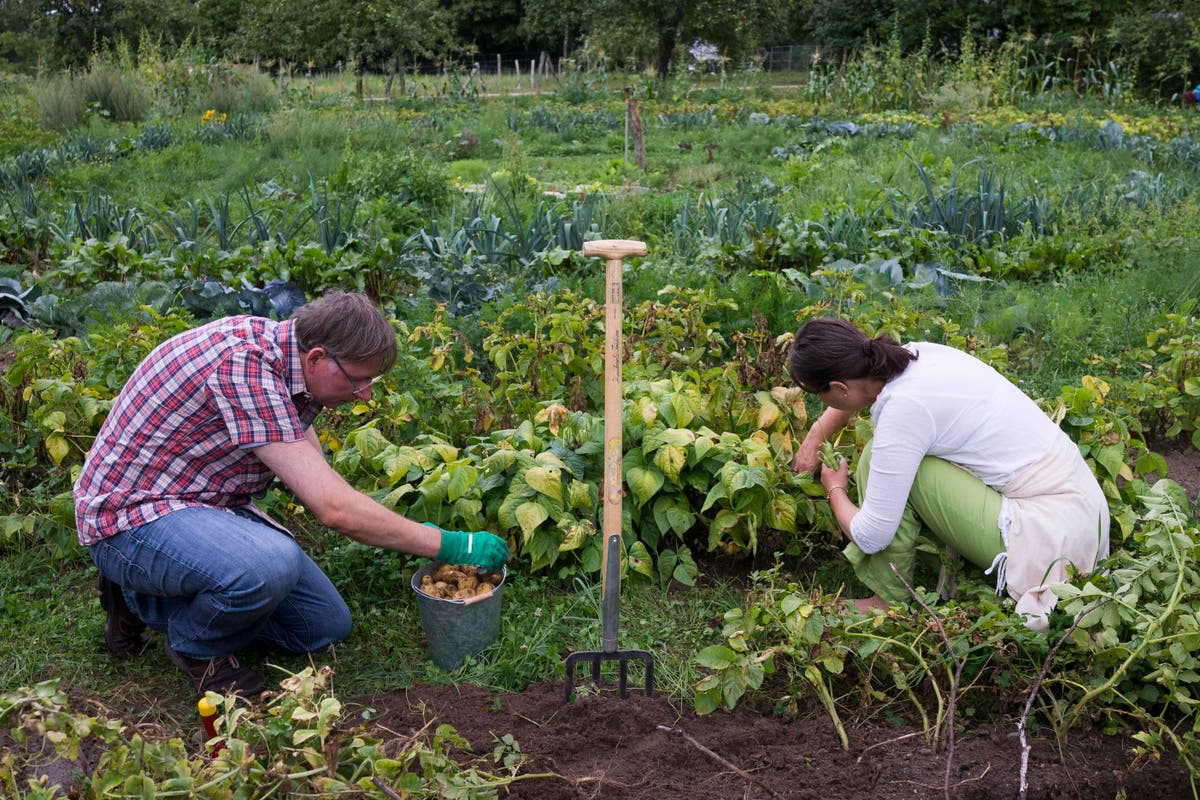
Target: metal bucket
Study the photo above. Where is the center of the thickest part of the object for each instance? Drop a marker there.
(455, 629)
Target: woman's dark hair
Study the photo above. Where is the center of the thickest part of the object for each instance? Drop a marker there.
(826, 350)
(349, 327)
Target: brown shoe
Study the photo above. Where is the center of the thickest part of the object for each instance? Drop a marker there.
(223, 674)
(124, 634)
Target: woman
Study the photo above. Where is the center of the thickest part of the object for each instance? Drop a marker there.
(958, 450)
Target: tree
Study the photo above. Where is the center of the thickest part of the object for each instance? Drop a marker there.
(736, 27)
(485, 26)
(546, 21)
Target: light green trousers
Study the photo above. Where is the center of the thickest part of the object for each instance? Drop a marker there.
(950, 504)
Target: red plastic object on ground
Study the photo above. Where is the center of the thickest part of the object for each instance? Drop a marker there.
(208, 717)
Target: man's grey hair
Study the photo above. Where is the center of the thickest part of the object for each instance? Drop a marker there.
(349, 327)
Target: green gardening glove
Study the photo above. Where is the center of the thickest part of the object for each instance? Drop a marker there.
(473, 547)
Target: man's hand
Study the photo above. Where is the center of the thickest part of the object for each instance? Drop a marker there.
(473, 547)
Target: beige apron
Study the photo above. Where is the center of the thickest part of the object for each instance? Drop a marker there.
(1054, 513)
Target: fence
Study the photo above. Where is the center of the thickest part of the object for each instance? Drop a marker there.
(790, 57)
(531, 68)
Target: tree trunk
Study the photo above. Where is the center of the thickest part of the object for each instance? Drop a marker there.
(387, 86)
(666, 48)
(634, 118)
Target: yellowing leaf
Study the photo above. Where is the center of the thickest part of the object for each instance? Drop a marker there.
(575, 535)
(791, 398)
(670, 459)
(57, 447)
(683, 410)
(547, 480)
(530, 515)
(644, 411)
(579, 495)
(768, 412)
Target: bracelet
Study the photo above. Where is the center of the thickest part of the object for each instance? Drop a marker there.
(843, 488)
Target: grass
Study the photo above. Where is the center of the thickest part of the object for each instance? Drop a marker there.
(55, 624)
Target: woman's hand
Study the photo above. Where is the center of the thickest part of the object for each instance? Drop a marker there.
(806, 459)
(838, 478)
(808, 454)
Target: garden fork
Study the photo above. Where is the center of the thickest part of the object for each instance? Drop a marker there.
(613, 251)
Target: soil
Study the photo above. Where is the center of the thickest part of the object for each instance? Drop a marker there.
(1183, 464)
(601, 746)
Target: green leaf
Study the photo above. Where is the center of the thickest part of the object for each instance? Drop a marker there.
(1112, 458)
(733, 685)
(716, 656)
(717, 492)
(724, 520)
(707, 702)
(684, 409)
(640, 560)
(369, 441)
(462, 478)
(738, 477)
(644, 482)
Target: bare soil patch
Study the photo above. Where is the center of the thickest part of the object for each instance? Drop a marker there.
(1183, 464)
(601, 746)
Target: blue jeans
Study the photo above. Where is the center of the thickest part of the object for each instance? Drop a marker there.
(217, 582)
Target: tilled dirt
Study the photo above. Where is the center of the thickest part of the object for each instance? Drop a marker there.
(601, 746)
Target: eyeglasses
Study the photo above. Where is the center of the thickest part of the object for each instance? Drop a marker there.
(358, 385)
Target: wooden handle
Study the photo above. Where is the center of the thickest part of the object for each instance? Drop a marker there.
(479, 598)
(612, 250)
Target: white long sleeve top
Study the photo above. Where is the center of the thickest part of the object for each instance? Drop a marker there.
(950, 405)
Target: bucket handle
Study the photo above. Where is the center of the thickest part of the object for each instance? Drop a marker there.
(470, 601)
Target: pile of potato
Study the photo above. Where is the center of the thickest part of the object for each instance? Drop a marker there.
(458, 582)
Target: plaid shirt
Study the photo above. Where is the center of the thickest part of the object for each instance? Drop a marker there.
(178, 433)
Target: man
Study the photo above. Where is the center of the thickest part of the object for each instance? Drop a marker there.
(204, 425)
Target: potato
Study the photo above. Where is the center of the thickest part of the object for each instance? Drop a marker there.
(458, 582)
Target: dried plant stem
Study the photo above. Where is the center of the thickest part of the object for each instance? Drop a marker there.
(959, 664)
(1037, 685)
